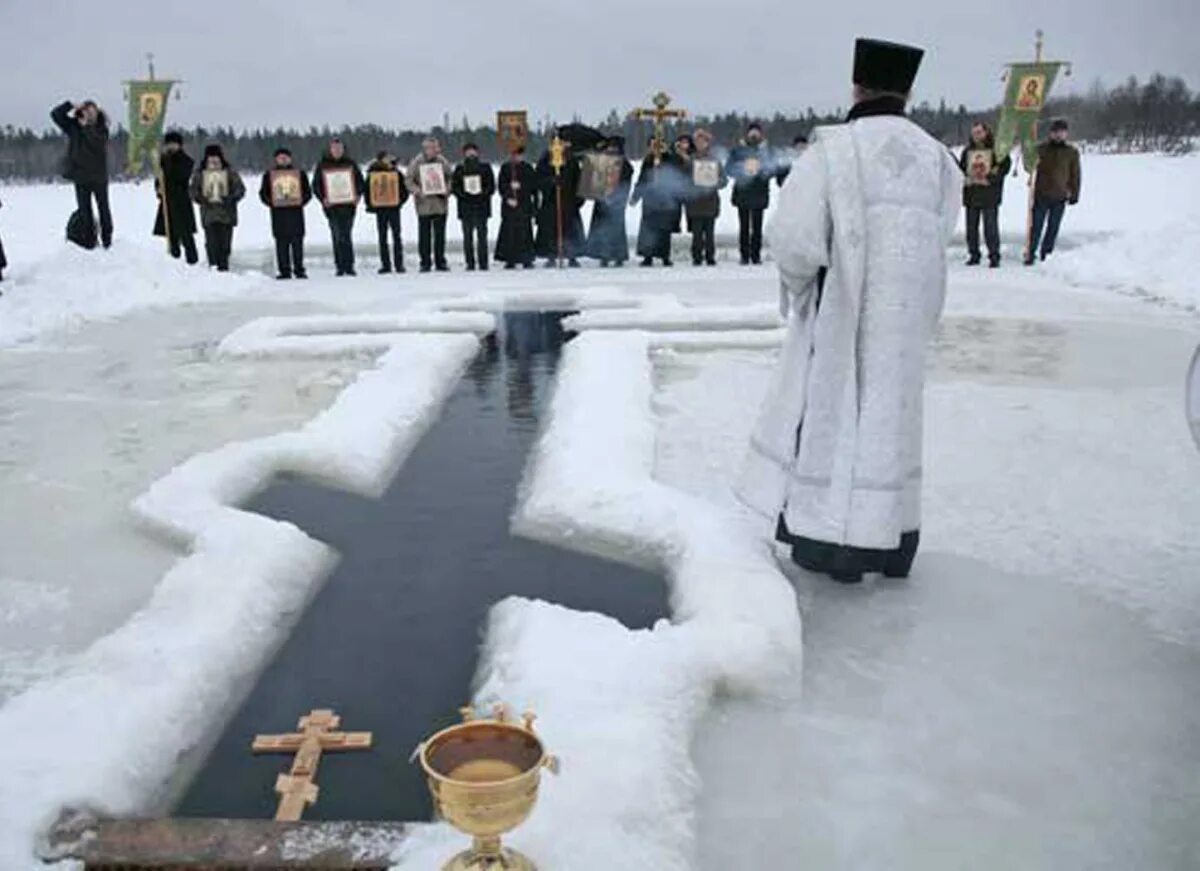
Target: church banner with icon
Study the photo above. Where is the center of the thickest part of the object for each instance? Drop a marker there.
(1029, 86)
(147, 115)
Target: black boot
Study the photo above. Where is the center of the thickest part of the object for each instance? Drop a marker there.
(973, 260)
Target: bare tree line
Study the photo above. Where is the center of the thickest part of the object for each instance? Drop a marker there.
(1160, 114)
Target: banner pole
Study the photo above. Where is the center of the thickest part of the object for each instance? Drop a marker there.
(156, 164)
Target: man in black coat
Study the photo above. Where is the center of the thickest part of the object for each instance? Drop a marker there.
(175, 168)
(86, 163)
(751, 168)
(287, 215)
(340, 215)
(387, 214)
(983, 188)
(473, 185)
(518, 197)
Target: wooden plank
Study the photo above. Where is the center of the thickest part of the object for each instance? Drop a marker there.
(215, 845)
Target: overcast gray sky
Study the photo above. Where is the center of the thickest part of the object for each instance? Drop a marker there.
(403, 63)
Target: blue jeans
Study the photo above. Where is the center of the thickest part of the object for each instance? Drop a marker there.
(1047, 216)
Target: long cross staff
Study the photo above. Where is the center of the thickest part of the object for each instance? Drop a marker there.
(558, 159)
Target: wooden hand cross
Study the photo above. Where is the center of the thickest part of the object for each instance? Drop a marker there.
(296, 788)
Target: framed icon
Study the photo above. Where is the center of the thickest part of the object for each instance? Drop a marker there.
(215, 185)
(383, 189)
(979, 166)
(473, 185)
(1031, 92)
(513, 129)
(752, 167)
(150, 107)
(706, 173)
(433, 179)
(339, 186)
(286, 191)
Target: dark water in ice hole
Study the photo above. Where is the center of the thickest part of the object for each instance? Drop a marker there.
(391, 641)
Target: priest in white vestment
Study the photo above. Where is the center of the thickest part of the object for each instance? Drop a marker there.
(859, 236)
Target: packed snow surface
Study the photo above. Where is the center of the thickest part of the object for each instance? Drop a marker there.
(1027, 699)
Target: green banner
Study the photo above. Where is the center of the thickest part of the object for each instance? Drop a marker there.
(147, 114)
(1029, 86)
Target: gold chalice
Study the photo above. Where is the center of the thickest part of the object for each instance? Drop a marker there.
(483, 775)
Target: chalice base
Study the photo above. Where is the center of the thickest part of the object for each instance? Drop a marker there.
(506, 860)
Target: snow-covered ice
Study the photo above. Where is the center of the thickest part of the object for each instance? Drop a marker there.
(1027, 700)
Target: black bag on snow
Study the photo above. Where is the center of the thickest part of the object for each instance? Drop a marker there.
(81, 231)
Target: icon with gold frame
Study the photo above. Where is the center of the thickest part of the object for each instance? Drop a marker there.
(285, 189)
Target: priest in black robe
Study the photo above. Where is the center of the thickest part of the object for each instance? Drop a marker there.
(517, 186)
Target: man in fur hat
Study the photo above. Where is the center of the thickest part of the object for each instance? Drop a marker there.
(751, 167)
(175, 174)
(860, 235)
(1057, 185)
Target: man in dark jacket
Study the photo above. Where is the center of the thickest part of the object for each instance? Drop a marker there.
(706, 179)
(86, 163)
(175, 174)
(218, 190)
(340, 204)
(285, 191)
(784, 165)
(1057, 185)
(751, 168)
(983, 187)
(473, 185)
(518, 197)
(386, 193)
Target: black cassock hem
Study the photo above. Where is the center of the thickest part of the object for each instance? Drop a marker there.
(842, 559)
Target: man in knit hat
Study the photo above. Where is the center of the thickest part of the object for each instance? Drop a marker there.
(860, 235)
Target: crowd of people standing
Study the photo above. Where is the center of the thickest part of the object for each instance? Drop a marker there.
(678, 187)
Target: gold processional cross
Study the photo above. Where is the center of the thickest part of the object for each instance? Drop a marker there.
(659, 115)
(296, 788)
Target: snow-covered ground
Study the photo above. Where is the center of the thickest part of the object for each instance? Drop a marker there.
(1027, 700)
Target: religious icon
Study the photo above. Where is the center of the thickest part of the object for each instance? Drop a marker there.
(383, 189)
(433, 180)
(473, 185)
(1031, 91)
(706, 174)
(752, 167)
(979, 167)
(285, 189)
(215, 185)
(597, 169)
(339, 186)
(513, 128)
(150, 106)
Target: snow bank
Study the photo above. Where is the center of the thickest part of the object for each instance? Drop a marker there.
(110, 732)
(344, 335)
(620, 706)
(75, 286)
(666, 313)
(1136, 229)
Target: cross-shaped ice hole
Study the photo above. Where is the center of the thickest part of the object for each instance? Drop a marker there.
(391, 641)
